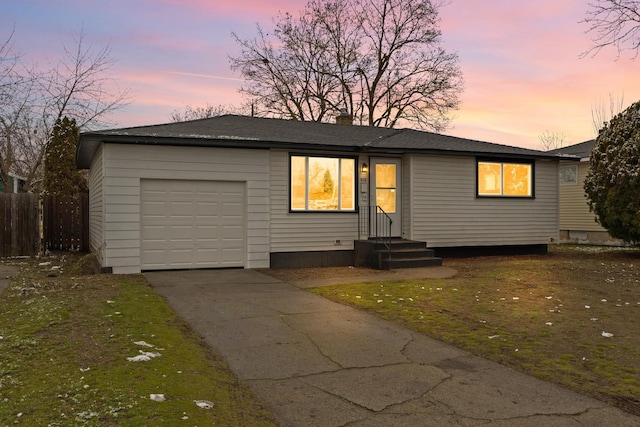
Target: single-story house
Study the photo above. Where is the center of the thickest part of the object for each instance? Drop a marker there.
(577, 222)
(236, 191)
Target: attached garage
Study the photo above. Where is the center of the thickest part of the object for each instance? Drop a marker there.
(192, 224)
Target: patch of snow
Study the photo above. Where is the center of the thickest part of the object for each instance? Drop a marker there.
(144, 356)
(157, 397)
(606, 334)
(143, 344)
(205, 404)
(493, 336)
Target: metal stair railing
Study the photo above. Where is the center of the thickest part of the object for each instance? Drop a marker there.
(375, 223)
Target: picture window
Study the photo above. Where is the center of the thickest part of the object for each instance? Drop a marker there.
(323, 183)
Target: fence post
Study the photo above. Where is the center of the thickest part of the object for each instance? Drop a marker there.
(84, 210)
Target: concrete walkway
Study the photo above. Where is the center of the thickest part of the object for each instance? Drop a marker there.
(314, 362)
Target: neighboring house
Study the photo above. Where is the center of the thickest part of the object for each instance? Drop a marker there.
(577, 222)
(17, 183)
(235, 191)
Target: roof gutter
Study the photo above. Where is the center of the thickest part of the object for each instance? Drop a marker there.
(89, 143)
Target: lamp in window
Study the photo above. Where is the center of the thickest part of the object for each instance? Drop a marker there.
(364, 169)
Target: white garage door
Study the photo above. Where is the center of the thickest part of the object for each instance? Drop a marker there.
(192, 224)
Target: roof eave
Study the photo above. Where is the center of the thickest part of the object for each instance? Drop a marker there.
(89, 143)
(468, 153)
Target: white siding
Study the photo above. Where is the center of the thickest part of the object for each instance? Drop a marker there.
(446, 211)
(126, 165)
(407, 197)
(304, 231)
(96, 205)
(574, 210)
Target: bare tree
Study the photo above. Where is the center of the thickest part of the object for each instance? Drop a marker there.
(77, 86)
(195, 113)
(380, 60)
(601, 114)
(15, 95)
(551, 140)
(81, 88)
(614, 23)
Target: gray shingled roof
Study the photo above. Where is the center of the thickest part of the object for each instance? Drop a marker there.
(254, 132)
(582, 150)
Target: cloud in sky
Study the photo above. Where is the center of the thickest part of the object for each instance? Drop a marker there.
(520, 60)
(523, 72)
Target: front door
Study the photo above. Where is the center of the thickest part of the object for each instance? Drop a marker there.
(385, 190)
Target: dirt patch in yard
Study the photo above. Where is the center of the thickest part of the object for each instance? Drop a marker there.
(327, 276)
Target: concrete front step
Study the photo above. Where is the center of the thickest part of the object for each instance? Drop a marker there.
(395, 263)
(407, 253)
(404, 254)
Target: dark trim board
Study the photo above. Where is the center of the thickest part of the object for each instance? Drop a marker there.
(311, 259)
(346, 258)
(475, 251)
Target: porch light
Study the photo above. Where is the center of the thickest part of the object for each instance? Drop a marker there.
(364, 168)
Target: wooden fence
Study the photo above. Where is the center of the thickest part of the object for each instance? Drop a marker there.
(19, 224)
(65, 223)
(30, 223)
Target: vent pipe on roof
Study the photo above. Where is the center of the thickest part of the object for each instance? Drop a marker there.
(344, 118)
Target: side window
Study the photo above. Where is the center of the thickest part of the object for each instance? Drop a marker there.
(504, 179)
(568, 175)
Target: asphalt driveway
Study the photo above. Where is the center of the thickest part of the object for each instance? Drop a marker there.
(314, 362)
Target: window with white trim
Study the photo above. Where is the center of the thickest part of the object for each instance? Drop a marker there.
(568, 175)
(322, 183)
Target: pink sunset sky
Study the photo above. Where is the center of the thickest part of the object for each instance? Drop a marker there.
(520, 59)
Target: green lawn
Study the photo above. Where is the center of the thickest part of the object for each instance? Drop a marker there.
(67, 345)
